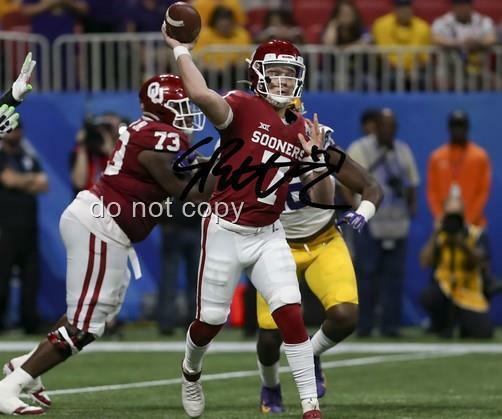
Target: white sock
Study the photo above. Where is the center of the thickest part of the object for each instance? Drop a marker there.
(321, 343)
(310, 404)
(192, 363)
(17, 380)
(269, 374)
(20, 360)
(301, 361)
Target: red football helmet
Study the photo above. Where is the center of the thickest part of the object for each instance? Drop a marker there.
(276, 71)
(163, 98)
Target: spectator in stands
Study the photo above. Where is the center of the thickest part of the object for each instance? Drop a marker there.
(21, 180)
(8, 6)
(460, 163)
(456, 252)
(11, 17)
(180, 246)
(223, 30)
(464, 34)
(52, 18)
(280, 24)
(402, 28)
(146, 15)
(106, 16)
(95, 143)
(206, 9)
(345, 27)
(380, 250)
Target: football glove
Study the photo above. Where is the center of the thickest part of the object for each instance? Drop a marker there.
(21, 86)
(9, 119)
(353, 219)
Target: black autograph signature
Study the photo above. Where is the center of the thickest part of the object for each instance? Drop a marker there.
(238, 178)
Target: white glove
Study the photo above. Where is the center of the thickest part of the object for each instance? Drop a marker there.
(21, 86)
(9, 119)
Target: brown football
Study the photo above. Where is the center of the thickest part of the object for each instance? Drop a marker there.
(182, 22)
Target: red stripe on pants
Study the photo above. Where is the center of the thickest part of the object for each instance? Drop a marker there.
(97, 288)
(201, 265)
(87, 280)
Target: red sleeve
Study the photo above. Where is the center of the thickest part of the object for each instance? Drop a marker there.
(235, 98)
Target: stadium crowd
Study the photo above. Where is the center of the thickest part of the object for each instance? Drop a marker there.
(464, 29)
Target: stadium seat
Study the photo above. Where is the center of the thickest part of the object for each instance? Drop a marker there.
(373, 9)
(255, 19)
(431, 9)
(492, 8)
(312, 16)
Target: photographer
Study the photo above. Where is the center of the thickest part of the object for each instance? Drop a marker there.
(95, 143)
(457, 253)
(380, 250)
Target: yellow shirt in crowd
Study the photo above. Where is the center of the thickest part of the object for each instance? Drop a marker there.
(220, 60)
(206, 7)
(8, 6)
(387, 32)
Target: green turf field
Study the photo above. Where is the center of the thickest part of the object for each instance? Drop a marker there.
(405, 384)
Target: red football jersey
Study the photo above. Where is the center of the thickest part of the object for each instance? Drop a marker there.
(128, 184)
(264, 133)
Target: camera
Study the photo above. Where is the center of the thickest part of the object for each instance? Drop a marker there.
(452, 223)
(93, 136)
(396, 185)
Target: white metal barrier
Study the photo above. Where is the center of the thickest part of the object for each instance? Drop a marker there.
(372, 69)
(95, 62)
(120, 62)
(13, 48)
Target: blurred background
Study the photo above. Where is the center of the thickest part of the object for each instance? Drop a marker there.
(437, 64)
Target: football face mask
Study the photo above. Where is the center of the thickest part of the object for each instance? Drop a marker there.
(279, 81)
(188, 116)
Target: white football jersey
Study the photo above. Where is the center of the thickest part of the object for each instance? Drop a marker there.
(300, 220)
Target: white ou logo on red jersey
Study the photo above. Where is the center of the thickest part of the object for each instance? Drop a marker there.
(155, 93)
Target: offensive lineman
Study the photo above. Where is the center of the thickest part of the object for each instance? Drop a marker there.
(98, 245)
(323, 260)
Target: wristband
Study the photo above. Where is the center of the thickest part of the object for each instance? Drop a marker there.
(366, 209)
(320, 159)
(180, 50)
(9, 99)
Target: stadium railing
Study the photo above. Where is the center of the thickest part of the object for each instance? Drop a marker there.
(120, 62)
(13, 48)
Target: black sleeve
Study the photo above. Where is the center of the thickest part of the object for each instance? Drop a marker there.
(3, 162)
(8, 99)
(37, 167)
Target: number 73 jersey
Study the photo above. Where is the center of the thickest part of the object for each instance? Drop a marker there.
(263, 133)
(129, 193)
